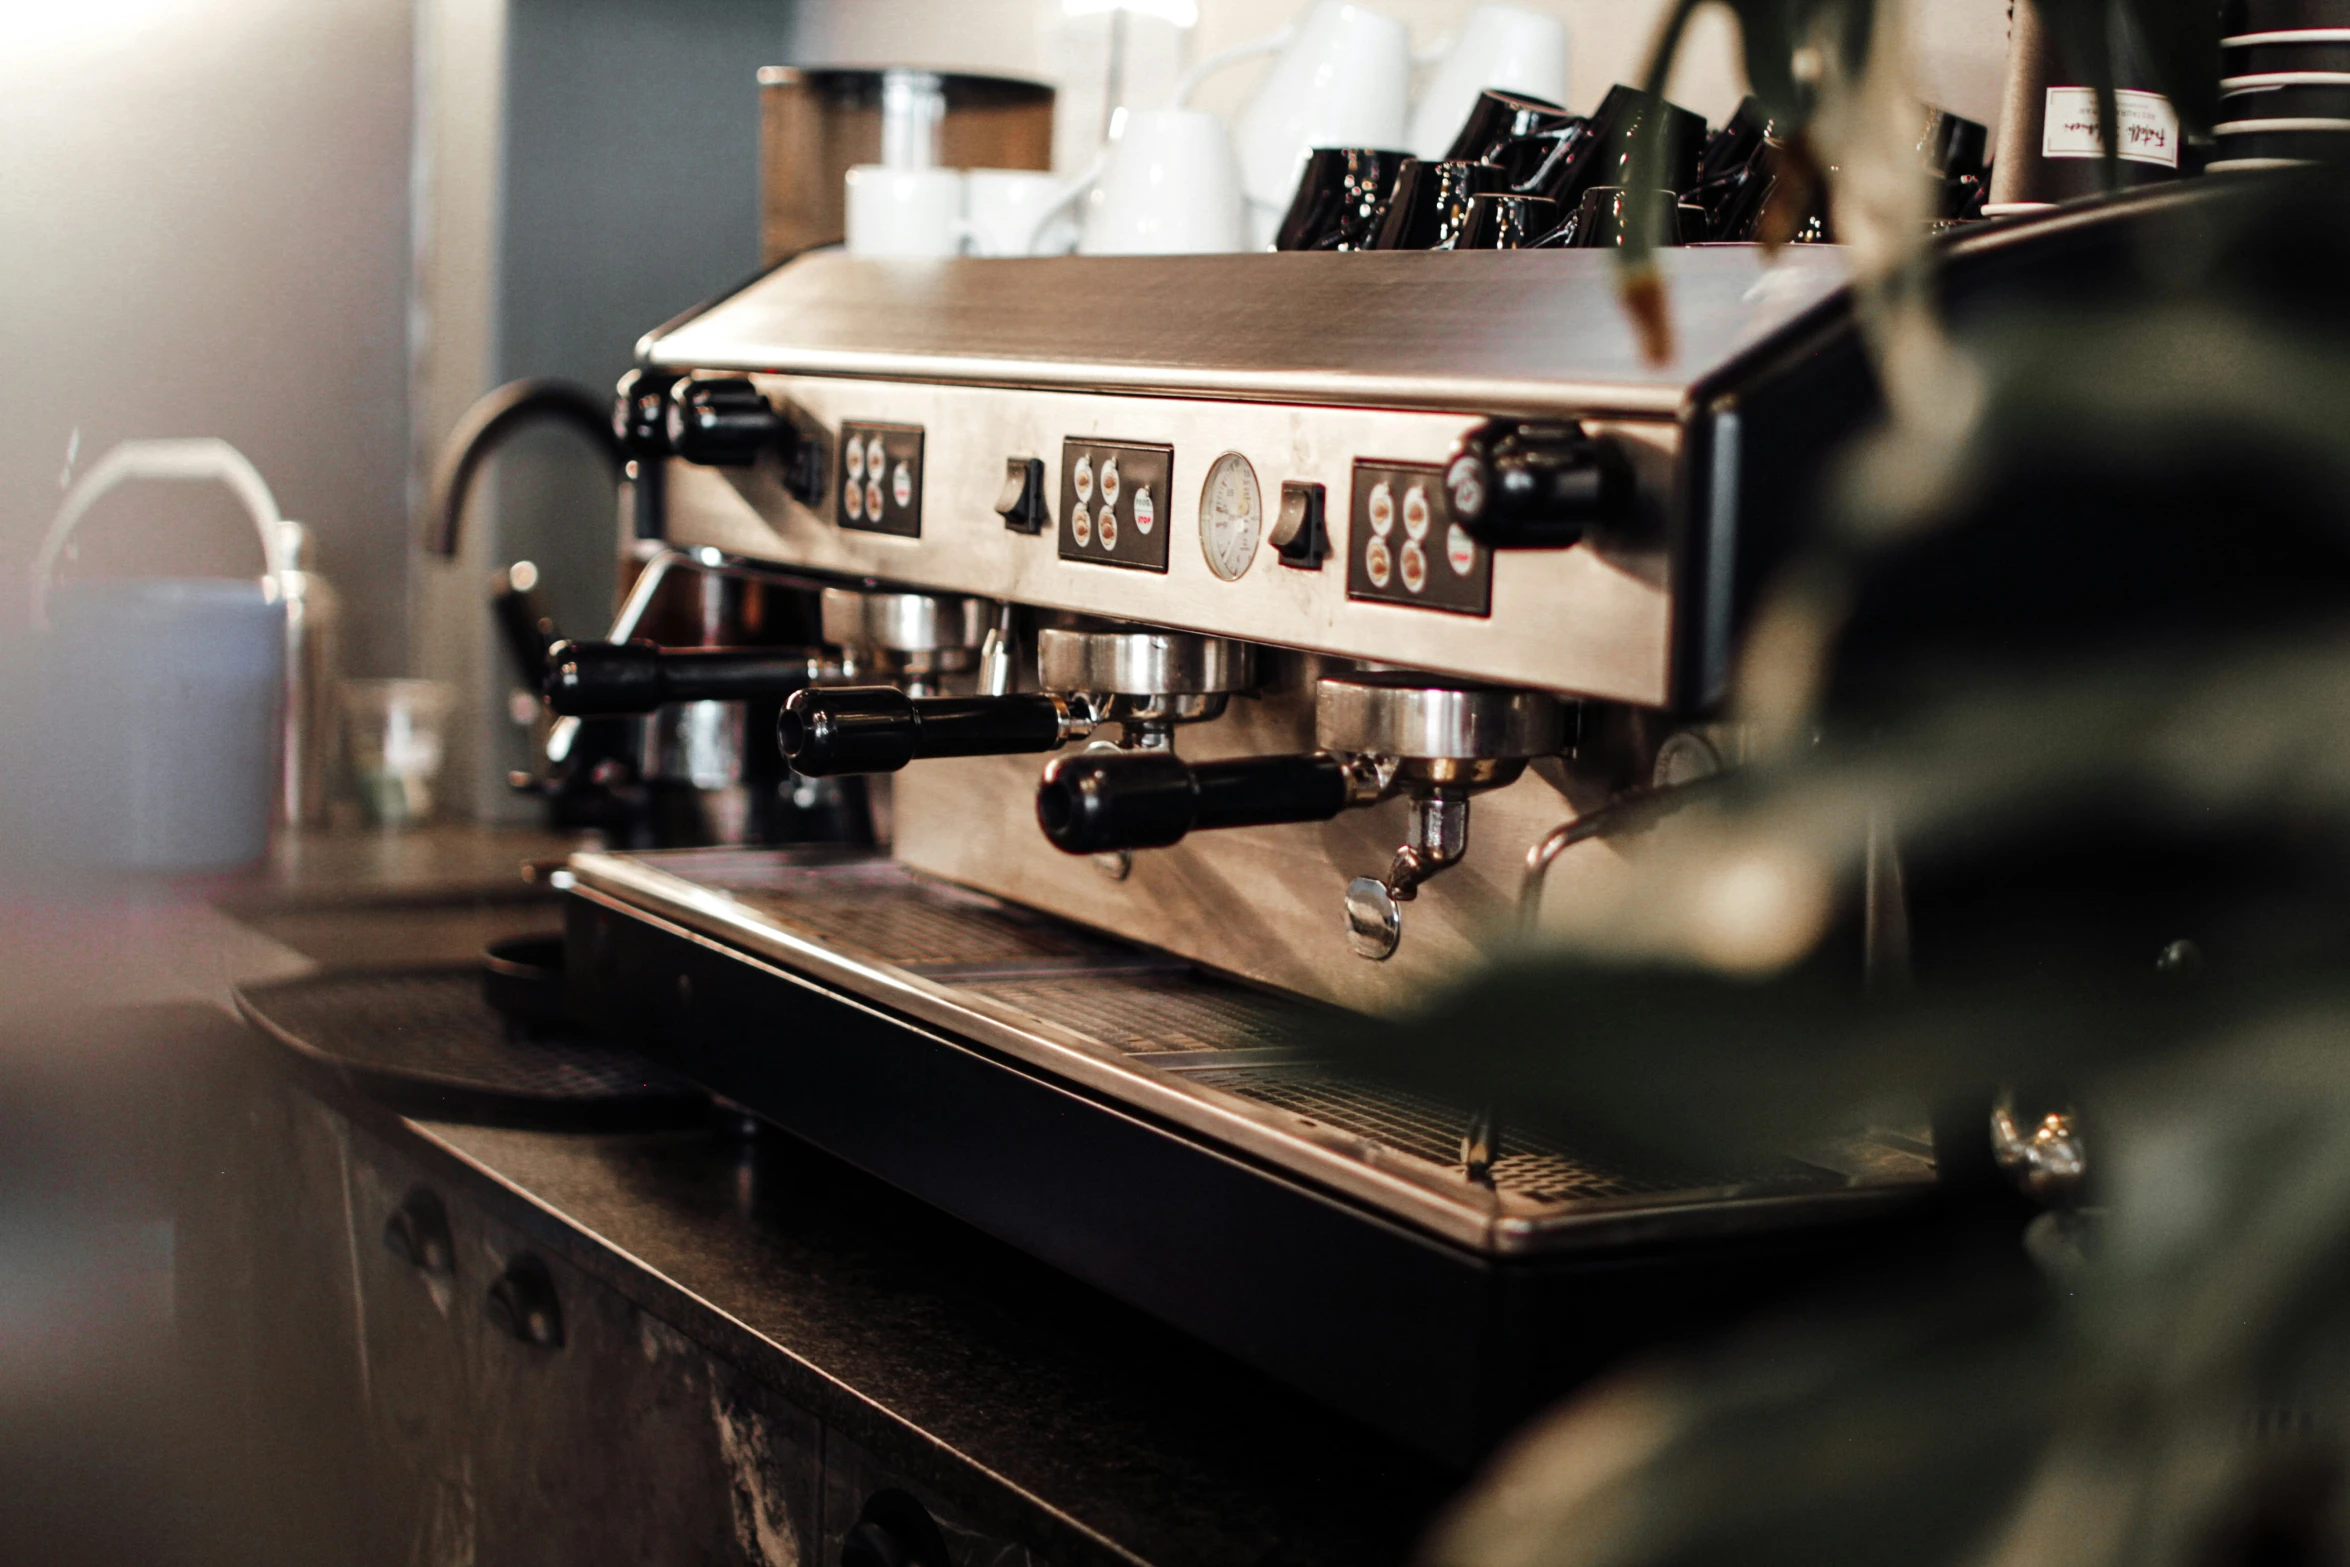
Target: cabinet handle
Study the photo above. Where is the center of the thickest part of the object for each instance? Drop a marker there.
(523, 1302)
(418, 1233)
(894, 1531)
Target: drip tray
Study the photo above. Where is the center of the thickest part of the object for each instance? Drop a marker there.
(1219, 1059)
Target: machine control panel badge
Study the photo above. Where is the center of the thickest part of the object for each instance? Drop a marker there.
(1403, 546)
(881, 479)
(1113, 497)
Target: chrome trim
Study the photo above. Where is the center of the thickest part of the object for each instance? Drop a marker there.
(2303, 122)
(2284, 79)
(2295, 35)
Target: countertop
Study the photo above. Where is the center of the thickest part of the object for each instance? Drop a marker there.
(1044, 1408)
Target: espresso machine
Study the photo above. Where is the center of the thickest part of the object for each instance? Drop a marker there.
(1219, 640)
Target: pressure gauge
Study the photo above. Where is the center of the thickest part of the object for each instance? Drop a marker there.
(1231, 516)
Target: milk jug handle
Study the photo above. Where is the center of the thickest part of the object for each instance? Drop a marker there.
(202, 457)
(1272, 43)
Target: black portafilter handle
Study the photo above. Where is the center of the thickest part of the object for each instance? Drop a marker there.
(879, 729)
(1107, 800)
(618, 679)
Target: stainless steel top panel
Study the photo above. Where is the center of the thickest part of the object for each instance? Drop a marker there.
(1500, 332)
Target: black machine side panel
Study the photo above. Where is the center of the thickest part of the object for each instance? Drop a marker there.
(1438, 1347)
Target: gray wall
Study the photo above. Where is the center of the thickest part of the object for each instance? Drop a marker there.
(631, 192)
(204, 231)
(588, 169)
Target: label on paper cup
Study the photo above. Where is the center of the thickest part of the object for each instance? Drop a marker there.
(2149, 128)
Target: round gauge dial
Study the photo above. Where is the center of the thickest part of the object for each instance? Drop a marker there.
(1231, 516)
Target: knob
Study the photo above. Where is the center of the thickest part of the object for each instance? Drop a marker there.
(1520, 486)
(879, 729)
(1105, 801)
(894, 1531)
(523, 1302)
(612, 679)
(640, 412)
(724, 423)
(418, 1233)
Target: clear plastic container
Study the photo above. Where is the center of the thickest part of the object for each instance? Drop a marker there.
(395, 732)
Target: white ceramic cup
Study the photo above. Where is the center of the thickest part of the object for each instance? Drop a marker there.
(1341, 78)
(904, 212)
(1167, 185)
(1016, 212)
(1502, 47)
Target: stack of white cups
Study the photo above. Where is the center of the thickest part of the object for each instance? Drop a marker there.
(956, 212)
(906, 205)
(1176, 181)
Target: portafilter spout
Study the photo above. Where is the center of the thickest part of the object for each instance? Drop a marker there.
(1146, 682)
(1431, 740)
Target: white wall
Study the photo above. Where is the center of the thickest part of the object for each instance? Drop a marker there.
(1962, 44)
(203, 231)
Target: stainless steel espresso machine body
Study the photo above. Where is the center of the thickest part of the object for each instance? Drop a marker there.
(1318, 591)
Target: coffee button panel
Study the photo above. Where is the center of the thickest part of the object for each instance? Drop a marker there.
(1388, 564)
(880, 487)
(1111, 502)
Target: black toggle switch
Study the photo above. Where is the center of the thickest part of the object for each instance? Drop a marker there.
(1299, 536)
(1536, 485)
(1022, 504)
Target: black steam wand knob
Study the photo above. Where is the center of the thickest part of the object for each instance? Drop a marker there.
(879, 729)
(1105, 801)
(617, 679)
(724, 422)
(1517, 485)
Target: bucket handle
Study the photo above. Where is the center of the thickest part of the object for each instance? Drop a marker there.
(200, 457)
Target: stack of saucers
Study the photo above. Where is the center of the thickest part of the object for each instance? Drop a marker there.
(2284, 84)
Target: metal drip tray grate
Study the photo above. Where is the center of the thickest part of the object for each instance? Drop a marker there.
(887, 912)
(1150, 1012)
(1201, 1049)
(1530, 1167)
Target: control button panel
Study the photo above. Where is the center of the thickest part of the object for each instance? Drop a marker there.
(1114, 505)
(880, 471)
(1403, 546)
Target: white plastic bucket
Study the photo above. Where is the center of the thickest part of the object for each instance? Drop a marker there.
(160, 718)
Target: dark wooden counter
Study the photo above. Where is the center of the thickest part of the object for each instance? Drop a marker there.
(859, 1339)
